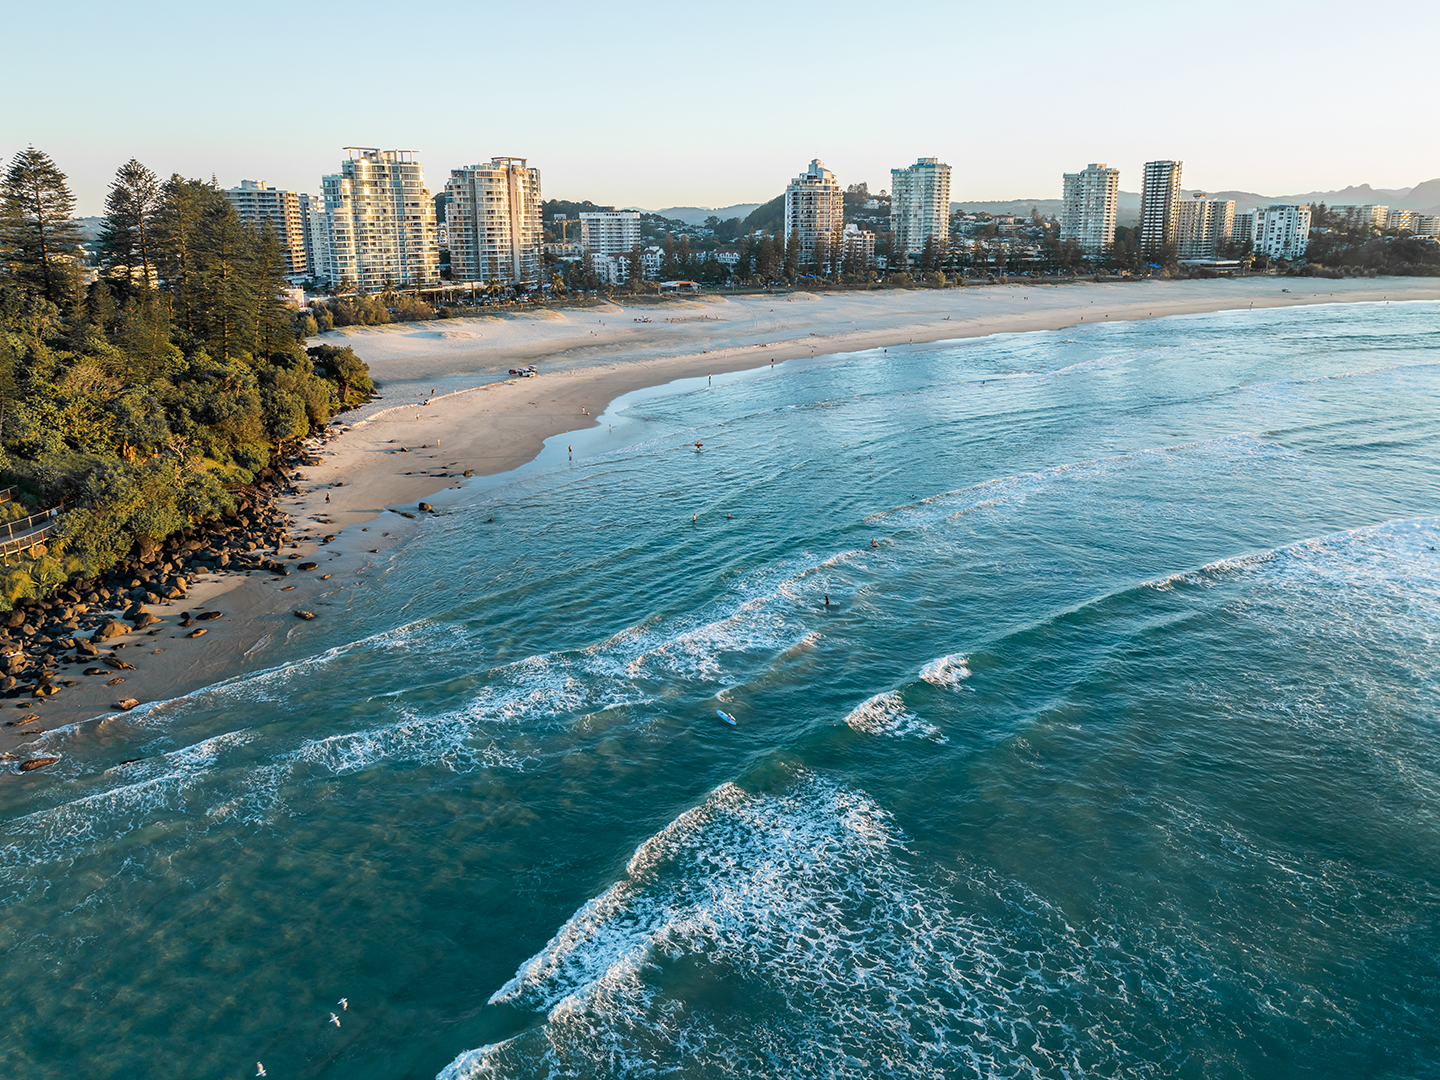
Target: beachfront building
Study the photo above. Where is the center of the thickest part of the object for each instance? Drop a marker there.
(1087, 214)
(610, 232)
(494, 215)
(1160, 206)
(1203, 226)
(920, 205)
(1363, 217)
(859, 247)
(316, 224)
(382, 221)
(1281, 232)
(1400, 221)
(1426, 225)
(815, 208)
(257, 205)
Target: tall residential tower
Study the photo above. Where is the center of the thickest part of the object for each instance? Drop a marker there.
(1160, 206)
(1088, 212)
(920, 205)
(815, 208)
(258, 204)
(494, 222)
(382, 221)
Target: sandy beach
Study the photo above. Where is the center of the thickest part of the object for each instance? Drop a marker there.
(410, 445)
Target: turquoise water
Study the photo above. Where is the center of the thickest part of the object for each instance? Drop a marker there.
(1115, 752)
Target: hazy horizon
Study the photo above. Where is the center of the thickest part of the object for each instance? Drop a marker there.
(290, 96)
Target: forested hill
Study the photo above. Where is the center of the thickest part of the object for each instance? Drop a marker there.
(146, 400)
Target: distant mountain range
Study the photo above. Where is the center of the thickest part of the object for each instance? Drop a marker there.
(696, 215)
(1424, 197)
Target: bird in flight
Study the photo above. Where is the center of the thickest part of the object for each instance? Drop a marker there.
(344, 1004)
(260, 1069)
(335, 1019)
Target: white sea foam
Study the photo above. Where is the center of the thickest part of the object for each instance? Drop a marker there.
(947, 670)
(886, 714)
(846, 963)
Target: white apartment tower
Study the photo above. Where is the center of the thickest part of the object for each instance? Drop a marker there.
(1203, 226)
(1159, 206)
(316, 223)
(1088, 212)
(258, 204)
(1282, 232)
(494, 220)
(610, 232)
(920, 205)
(382, 222)
(814, 207)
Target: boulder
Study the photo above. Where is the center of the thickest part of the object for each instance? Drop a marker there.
(15, 618)
(427, 508)
(307, 566)
(96, 671)
(208, 616)
(147, 619)
(37, 763)
(196, 633)
(127, 704)
(108, 630)
(307, 615)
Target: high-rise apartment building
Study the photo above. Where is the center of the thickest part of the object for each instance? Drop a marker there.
(815, 208)
(382, 222)
(920, 205)
(1281, 232)
(494, 219)
(258, 204)
(1159, 206)
(610, 232)
(316, 223)
(1203, 226)
(1088, 212)
(1401, 220)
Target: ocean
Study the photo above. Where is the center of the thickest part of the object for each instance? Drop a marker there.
(1086, 706)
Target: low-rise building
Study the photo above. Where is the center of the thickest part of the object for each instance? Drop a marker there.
(859, 245)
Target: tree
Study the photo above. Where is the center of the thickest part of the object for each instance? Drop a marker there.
(636, 259)
(177, 229)
(127, 235)
(37, 227)
(792, 255)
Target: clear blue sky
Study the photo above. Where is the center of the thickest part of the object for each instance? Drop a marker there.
(655, 104)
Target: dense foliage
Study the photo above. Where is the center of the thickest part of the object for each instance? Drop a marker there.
(150, 396)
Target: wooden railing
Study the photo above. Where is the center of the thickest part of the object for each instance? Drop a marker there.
(7, 494)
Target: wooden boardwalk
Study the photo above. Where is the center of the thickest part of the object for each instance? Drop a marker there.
(28, 533)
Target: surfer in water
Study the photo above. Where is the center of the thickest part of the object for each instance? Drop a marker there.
(827, 599)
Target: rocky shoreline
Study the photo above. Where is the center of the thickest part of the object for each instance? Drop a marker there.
(49, 645)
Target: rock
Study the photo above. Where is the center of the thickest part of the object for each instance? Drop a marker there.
(208, 616)
(37, 763)
(147, 619)
(96, 671)
(307, 566)
(427, 508)
(186, 622)
(305, 615)
(84, 648)
(117, 664)
(116, 681)
(9, 682)
(197, 633)
(127, 704)
(468, 472)
(45, 690)
(16, 618)
(111, 629)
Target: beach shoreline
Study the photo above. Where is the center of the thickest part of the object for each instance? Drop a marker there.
(471, 421)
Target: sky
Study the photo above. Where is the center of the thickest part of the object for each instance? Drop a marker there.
(651, 104)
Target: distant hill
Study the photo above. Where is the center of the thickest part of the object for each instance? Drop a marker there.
(696, 215)
(769, 217)
(1424, 197)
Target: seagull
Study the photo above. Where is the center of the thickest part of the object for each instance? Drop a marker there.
(260, 1068)
(344, 1004)
(335, 1019)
